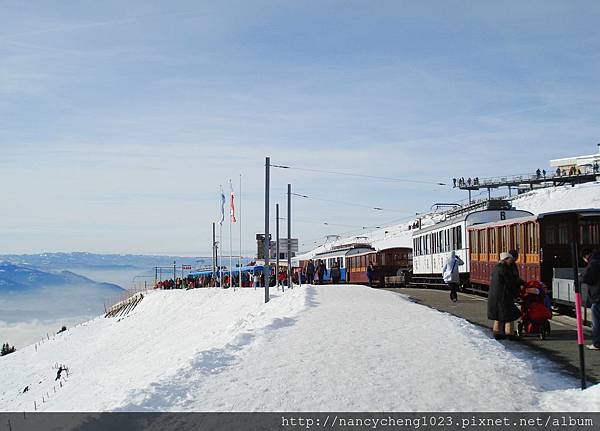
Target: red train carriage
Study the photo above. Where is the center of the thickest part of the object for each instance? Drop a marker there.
(357, 263)
(386, 263)
(543, 241)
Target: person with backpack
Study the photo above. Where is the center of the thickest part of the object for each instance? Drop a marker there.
(451, 275)
(591, 280)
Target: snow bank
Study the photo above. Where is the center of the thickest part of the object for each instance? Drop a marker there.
(341, 348)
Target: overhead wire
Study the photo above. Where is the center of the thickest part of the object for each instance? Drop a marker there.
(349, 174)
(376, 208)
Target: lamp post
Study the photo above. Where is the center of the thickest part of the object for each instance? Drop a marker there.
(267, 241)
(277, 245)
(289, 236)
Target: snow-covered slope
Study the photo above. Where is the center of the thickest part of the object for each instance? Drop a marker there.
(537, 201)
(560, 198)
(309, 349)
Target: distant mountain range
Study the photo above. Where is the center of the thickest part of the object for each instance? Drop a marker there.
(23, 279)
(100, 261)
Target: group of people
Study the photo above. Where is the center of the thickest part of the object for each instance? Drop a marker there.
(248, 279)
(505, 287)
(539, 174)
(461, 182)
(314, 272)
(184, 283)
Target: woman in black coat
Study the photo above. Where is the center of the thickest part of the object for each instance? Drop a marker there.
(504, 288)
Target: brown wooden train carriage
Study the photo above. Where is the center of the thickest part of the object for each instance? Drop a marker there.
(543, 242)
(386, 262)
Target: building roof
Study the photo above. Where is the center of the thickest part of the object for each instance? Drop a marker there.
(576, 160)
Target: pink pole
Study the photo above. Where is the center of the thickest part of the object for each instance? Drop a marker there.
(579, 321)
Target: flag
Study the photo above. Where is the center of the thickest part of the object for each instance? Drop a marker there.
(232, 206)
(222, 207)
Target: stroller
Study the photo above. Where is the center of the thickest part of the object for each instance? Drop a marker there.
(535, 310)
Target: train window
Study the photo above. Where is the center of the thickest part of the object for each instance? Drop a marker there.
(515, 237)
(503, 238)
(484, 241)
(492, 234)
(589, 233)
(459, 237)
(550, 233)
(563, 233)
(473, 241)
(453, 240)
(532, 241)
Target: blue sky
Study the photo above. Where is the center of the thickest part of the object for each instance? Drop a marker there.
(118, 121)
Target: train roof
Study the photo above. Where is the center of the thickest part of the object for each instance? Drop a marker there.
(587, 212)
(468, 217)
(583, 212)
(360, 251)
(343, 252)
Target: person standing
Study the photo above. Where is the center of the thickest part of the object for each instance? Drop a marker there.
(504, 288)
(370, 273)
(310, 272)
(451, 275)
(321, 271)
(591, 280)
(281, 279)
(335, 274)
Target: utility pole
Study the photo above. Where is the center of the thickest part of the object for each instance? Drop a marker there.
(277, 245)
(267, 241)
(174, 271)
(214, 255)
(289, 236)
(155, 275)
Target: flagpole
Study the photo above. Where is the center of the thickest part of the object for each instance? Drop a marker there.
(240, 221)
(221, 239)
(230, 242)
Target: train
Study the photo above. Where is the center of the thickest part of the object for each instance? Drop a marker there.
(543, 242)
(354, 258)
(477, 234)
(433, 244)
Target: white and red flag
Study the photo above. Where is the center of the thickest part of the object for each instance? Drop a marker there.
(232, 205)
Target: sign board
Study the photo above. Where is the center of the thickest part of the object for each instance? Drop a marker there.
(186, 267)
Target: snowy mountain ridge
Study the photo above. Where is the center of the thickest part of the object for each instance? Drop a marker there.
(20, 278)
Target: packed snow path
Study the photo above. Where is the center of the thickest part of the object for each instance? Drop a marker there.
(340, 348)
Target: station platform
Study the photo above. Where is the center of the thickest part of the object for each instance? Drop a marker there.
(560, 347)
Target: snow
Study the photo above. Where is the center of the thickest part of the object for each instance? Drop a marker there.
(538, 201)
(325, 348)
